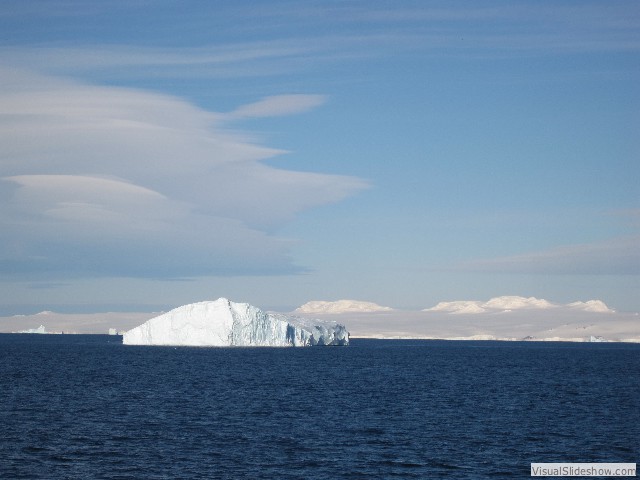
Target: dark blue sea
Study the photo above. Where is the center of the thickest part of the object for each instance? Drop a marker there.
(88, 407)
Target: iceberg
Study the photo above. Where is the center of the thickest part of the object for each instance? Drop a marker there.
(40, 329)
(223, 323)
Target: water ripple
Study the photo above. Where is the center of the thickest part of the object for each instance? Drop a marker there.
(78, 407)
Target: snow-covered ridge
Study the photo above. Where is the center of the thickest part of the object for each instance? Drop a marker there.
(509, 303)
(341, 306)
(223, 323)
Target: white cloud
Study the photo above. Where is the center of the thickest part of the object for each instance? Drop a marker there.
(114, 181)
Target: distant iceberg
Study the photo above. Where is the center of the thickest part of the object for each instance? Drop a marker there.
(597, 339)
(223, 323)
(40, 329)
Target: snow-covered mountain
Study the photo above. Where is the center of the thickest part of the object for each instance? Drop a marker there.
(341, 306)
(517, 303)
(223, 323)
(511, 303)
(591, 306)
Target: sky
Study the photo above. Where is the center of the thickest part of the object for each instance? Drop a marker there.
(157, 153)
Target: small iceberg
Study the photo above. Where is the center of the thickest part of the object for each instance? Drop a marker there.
(597, 339)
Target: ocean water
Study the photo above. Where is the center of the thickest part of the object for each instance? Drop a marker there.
(86, 406)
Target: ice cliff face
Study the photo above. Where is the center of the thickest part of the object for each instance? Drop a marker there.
(223, 323)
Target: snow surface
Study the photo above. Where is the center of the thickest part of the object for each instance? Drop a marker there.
(69, 323)
(341, 306)
(223, 323)
(552, 324)
(577, 321)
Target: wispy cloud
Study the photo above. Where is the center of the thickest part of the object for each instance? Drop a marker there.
(112, 181)
(320, 34)
(140, 58)
(278, 105)
(618, 256)
(294, 37)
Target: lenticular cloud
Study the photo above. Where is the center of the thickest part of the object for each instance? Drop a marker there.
(113, 181)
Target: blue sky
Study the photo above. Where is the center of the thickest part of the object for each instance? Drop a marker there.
(156, 153)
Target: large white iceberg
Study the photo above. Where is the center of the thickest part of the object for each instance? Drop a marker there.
(223, 323)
